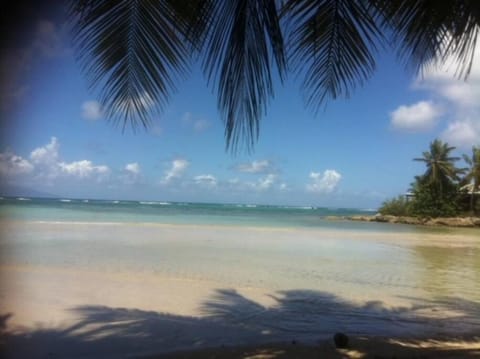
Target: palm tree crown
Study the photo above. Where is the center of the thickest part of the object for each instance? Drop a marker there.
(441, 168)
(473, 172)
(135, 51)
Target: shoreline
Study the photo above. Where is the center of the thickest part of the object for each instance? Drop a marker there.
(454, 222)
(453, 235)
(153, 291)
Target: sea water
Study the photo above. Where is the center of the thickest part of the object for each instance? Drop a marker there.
(88, 210)
(369, 277)
(120, 211)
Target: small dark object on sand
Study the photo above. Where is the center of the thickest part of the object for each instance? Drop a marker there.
(294, 342)
(341, 340)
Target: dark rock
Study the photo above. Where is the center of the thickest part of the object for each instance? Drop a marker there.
(341, 340)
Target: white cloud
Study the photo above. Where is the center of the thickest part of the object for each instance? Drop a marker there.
(12, 165)
(438, 76)
(45, 166)
(91, 110)
(84, 169)
(461, 97)
(461, 93)
(46, 155)
(131, 173)
(262, 166)
(176, 170)
(206, 180)
(45, 160)
(132, 103)
(133, 168)
(266, 182)
(462, 132)
(421, 116)
(324, 183)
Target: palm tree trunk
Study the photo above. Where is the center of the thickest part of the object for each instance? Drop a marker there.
(472, 202)
(473, 199)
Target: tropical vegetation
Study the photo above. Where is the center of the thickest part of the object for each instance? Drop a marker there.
(471, 181)
(443, 190)
(134, 52)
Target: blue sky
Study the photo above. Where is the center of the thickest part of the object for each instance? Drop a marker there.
(353, 153)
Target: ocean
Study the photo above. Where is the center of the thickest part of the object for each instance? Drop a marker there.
(118, 211)
(223, 273)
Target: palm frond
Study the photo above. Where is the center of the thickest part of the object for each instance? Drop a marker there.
(133, 52)
(333, 42)
(243, 42)
(194, 17)
(427, 32)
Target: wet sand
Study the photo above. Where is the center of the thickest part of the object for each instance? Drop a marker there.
(148, 290)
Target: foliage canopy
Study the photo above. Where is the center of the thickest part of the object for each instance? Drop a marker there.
(438, 192)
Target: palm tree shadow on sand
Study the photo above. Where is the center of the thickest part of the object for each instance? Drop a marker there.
(229, 318)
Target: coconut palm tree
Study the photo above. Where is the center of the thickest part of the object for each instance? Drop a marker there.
(472, 175)
(441, 170)
(134, 52)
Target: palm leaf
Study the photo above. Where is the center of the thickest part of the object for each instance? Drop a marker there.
(427, 32)
(133, 51)
(243, 41)
(332, 44)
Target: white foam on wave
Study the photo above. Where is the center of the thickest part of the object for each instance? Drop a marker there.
(155, 203)
(23, 199)
(65, 200)
(81, 223)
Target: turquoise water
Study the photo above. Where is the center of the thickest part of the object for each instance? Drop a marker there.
(80, 210)
(322, 276)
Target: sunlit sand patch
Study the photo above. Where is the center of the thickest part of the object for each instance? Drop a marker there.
(447, 344)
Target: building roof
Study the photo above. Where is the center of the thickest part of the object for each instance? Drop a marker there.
(469, 188)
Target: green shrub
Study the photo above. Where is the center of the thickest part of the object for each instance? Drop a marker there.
(398, 206)
(430, 201)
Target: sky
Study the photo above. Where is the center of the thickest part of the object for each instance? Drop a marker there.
(354, 152)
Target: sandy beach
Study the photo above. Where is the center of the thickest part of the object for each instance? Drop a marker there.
(176, 288)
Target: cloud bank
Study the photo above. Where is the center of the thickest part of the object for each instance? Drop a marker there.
(325, 182)
(418, 117)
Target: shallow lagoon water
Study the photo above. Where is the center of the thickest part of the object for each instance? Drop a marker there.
(367, 278)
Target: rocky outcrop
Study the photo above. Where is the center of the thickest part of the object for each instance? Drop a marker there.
(468, 222)
(454, 222)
